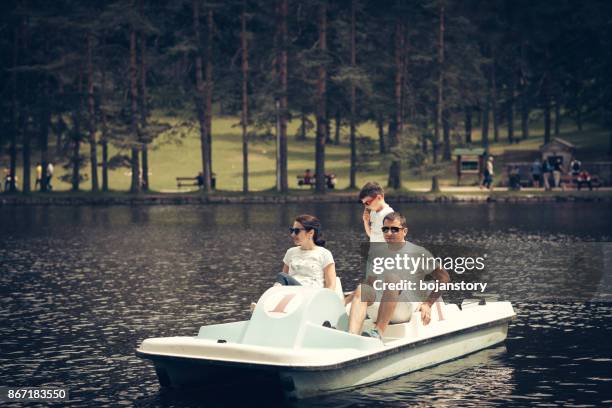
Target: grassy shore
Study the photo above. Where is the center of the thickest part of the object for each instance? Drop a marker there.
(172, 157)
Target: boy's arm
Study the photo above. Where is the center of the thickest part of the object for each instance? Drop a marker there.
(366, 221)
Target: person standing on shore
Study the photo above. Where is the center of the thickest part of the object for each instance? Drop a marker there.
(488, 174)
(536, 173)
(50, 169)
(7, 179)
(547, 170)
(575, 167)
(557, 170)
(38, 183)
(372, 196)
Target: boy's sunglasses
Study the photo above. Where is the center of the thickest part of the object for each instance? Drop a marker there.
(394, 230)
(295, 231)
(368, 201)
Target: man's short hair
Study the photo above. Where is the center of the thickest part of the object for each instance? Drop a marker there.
(370, 189)
(396, 216)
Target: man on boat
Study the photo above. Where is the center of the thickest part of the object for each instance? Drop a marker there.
(384, 306)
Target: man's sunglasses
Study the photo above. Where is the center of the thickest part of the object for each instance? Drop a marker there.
(394, 230)
(295, 231)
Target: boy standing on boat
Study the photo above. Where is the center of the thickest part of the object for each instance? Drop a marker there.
(372, 196)
(387, 308)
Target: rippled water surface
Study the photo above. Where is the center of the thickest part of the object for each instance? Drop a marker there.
(83, 286)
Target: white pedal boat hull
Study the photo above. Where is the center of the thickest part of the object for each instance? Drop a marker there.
(293, 350)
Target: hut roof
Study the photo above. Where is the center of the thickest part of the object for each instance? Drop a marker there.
(557, 141)
(469, 151)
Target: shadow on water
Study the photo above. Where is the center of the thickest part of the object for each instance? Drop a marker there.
(429, 386)
(229, 396)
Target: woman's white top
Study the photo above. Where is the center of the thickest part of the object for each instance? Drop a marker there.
(307, 266)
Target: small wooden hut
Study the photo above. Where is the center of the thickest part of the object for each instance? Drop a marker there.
(469, 161)
(558, 150)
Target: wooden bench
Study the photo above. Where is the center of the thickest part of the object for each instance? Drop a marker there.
(193, 181)
(330, 181)
(186, 181)
(302, 181)
(567, 180)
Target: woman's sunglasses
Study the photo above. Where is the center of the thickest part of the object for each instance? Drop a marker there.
(394, 230)
(295, 231)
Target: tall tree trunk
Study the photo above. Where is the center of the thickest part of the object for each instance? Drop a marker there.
(25, 129)
(468, 123)
(546, 103)
(104, 163)
(337, 127)
(245, 100)
(135, 186)
(144, 112)
(380, 122)
(321, 102)
(328, 139)
(494, 107)
(209, 87)
(93, 153)
(61, 125)
(446, 133)
(395, 170)
(135, 161)
(424, 146)
(45, 120)
(76, 148)
(200, 98)
(302, 133)
(440, 100)
(14, 115)
(525, 108)
(104, 138)
(510, 108)
(557, 113)
(353, 118)
(76, 134)
(284, 183)
(524, 115)
(26, 154)
(485, 122)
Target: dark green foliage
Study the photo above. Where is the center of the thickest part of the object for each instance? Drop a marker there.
(505, 57)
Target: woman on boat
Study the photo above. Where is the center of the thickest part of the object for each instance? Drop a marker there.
(308, 263)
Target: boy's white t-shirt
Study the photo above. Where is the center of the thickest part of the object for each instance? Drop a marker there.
(376, 223)
(307, 266)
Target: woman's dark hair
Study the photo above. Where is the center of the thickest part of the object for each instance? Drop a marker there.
(310, 222)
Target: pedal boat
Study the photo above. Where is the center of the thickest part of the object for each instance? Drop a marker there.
(297, 338)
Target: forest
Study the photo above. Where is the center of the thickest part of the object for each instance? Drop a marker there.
(87, 81)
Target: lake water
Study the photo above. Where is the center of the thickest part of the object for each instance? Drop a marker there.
(83, 286)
